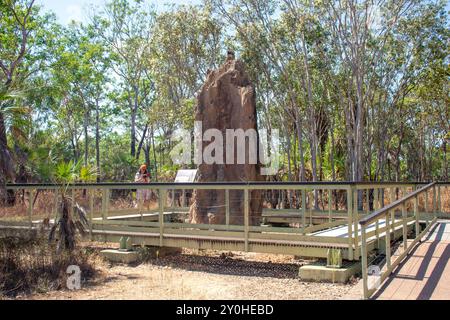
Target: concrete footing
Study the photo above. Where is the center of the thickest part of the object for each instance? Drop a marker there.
(322, 273)
(158, 252)
(151, 252)
(115, 255)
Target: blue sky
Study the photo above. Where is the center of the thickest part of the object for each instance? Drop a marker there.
(67, 10)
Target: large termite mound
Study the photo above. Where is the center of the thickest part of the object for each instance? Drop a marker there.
(227, 101)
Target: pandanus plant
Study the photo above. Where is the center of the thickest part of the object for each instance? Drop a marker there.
(65, 228)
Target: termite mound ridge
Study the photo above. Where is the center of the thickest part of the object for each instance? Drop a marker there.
(227, 101)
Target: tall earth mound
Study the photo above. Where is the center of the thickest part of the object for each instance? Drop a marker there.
(227, 101)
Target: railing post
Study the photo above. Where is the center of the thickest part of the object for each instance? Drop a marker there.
(55, 209)
(72, 205)
(364, 261)
(355, 218)
(350, 222)
(375, 199)
(30, 207)
(405, 227)
(227, 207)
(368, 201)
(434, 202)
(303, 211)
(246, 218)
(105, 200)
(376, 206)
(173, 198)
(311, 213)
(416, 215)
(162, 200)
(426, 207)
(439, 200)
(329, 205)
(387, 239)
(140, 202)
(392, 196)
(91, 210)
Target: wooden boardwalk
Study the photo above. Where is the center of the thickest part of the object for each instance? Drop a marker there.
(425, 273)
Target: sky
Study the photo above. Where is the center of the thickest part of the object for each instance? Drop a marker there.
(67, 10)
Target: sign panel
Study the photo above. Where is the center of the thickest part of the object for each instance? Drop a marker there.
(186, 175)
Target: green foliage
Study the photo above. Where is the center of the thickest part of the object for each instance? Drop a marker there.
(131, 74)
(67, 172)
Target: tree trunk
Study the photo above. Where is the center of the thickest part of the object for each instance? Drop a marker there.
(152, 136)
(133, 134)
(6, 163)
(300, 148)
(97, 139)
(445, 168)
(141, 142)
(86, 138)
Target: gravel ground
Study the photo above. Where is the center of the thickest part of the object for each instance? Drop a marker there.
(205, 275)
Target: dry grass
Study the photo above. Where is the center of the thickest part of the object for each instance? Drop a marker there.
(206, 274)
(44, 203)
(32, 266)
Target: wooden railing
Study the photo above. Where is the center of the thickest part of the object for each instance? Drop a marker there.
(387, 213)
(356, 196)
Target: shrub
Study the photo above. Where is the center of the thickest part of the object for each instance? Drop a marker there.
(33, 266)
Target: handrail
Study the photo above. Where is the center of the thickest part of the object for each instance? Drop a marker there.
(384, 213)
(375, 215)
(232, 183)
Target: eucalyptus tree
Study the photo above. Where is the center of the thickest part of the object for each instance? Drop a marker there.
(126, 29)
(186, 43)
(16, 24)
(80, 73)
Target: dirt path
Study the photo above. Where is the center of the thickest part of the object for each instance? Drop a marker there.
(206, 276)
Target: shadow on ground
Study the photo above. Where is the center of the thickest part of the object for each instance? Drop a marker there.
(229, 265)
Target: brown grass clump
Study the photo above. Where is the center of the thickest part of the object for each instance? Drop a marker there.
(33, 266)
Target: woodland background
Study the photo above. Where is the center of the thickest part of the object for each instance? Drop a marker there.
(358, 89)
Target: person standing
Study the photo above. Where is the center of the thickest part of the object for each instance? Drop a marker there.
(142, 176)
